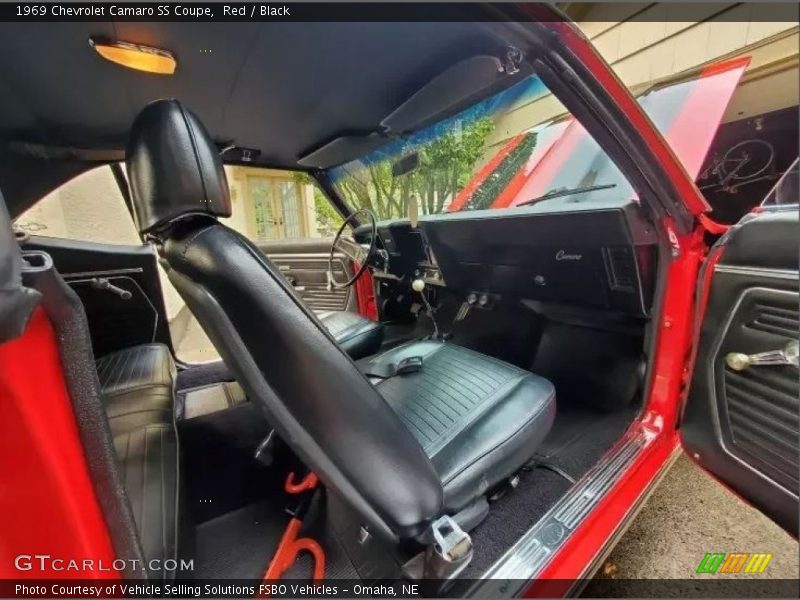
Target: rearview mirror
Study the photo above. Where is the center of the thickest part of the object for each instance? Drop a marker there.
(405, 164)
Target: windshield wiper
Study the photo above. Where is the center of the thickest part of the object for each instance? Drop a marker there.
(567, 192)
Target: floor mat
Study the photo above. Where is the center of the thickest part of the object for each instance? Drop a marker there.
(512, 516)
(580, 436)
(577, 440)
(240, 544)
(219, 467)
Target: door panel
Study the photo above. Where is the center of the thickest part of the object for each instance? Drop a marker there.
(744, 425)
(304, 263)
(116, 320)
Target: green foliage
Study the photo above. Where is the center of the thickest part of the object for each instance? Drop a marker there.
(328, 218)
(445, 167)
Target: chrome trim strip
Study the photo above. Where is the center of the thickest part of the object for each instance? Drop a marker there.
(111, 272)
(534, 550)
(757, 272)
(299, 256)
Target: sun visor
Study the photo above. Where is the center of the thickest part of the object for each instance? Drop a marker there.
(456, 88)
(342, 149)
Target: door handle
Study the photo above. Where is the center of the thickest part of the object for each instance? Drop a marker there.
(738, 361)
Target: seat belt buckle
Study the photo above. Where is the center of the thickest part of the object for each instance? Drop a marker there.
(448, 553)
(451, 544)
(408, 365)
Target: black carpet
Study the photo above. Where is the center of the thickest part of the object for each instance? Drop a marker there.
(512, 516)
(578, 438)
(240, 544)
(220, 470)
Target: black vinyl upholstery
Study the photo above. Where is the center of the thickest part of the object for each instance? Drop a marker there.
(138, 386)
(285, 358)
(357, 335)
(138, 390)
(477, 418)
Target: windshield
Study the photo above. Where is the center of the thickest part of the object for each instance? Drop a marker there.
(466, 163)
(521, 148)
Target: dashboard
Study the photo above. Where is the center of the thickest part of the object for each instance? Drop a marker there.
(597, 256)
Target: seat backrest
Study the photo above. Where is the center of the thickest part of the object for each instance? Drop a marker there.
(315, 397)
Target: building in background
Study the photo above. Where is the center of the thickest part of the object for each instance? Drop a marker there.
(652, 44)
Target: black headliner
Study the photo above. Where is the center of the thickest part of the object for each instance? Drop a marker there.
(283, 89)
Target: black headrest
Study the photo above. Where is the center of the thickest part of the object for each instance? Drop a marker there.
(174, 168)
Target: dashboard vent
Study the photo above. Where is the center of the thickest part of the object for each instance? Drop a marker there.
(621, 269)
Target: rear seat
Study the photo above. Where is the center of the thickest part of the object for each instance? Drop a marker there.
(138, 386)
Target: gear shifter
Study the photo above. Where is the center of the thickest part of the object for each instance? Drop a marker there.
(419, 286)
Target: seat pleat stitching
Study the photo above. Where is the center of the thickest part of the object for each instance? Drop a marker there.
(125, 358)
(410, 423)
(403, 410)
(470, 417)
(164, 553)
(454, 366)
(410, 408)
(111, 361)
(477, 370)
(142, 371)
(422, 405)
(130, 368)
(481, 362)
(458, 386)
(421, 391)
(143, 527)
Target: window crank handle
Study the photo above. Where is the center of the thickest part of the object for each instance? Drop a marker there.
(738, 361)
(101, 283)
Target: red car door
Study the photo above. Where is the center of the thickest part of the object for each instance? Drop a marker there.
(741, 418)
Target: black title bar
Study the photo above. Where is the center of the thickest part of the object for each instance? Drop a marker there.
(43, 12)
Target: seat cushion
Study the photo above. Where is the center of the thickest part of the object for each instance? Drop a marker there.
(148, 458)
(138, 386)
(479, 419)
(357, 335)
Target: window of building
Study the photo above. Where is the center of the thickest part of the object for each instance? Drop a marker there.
(270, 205)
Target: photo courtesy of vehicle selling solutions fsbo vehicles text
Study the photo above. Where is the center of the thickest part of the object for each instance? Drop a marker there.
(399, 299)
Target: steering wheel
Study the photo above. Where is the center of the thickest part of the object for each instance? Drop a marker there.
(352, 249)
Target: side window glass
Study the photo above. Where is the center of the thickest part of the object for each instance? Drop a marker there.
(267, 206)
(271, 205)
(88, 208)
